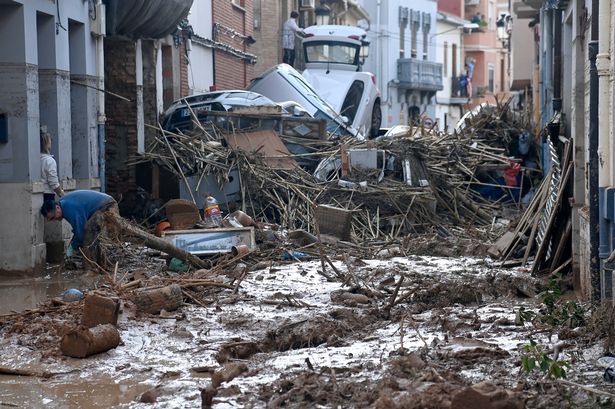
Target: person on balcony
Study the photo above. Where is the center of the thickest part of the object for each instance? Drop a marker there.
(469, 67)
(289, 30)
(463, 84)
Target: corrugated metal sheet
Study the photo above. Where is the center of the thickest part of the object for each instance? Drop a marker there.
(145, 18)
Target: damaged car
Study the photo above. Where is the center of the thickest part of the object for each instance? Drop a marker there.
(283, 83)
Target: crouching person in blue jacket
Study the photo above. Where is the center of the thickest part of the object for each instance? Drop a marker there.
(84, 210)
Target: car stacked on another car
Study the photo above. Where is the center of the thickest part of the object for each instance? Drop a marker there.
(283, 83)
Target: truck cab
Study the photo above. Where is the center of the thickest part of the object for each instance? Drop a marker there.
(333, 57)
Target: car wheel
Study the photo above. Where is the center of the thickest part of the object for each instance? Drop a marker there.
(376, 120)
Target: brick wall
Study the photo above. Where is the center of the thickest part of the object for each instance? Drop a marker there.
(232, 72)
(121, 126)
(183, 71)
(268, 34)
(121, 131)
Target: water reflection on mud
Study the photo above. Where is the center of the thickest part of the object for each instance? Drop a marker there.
(99, 393)
(21, 292)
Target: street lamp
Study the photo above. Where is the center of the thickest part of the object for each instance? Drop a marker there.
(323, 12)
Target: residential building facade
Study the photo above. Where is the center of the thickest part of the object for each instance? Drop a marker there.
(572, 81)
(404, 59)
(53, 60)
(233, 29)
(48, 72)
(485, 54)
(448, 40)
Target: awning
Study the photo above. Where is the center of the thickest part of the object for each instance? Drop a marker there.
(145, 18)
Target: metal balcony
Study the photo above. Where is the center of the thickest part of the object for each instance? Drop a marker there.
(458, 96)
(419, 75)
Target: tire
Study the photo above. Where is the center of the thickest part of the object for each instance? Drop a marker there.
(376, 120)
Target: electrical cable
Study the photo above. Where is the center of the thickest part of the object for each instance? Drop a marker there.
(59, 22)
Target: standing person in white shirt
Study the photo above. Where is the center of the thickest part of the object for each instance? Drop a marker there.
(288, 38)
(49, 169)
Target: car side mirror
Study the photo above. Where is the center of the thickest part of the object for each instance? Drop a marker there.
(345, 119)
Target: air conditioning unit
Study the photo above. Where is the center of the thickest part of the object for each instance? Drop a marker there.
(472, 3)
(307, 4)
(98, 20)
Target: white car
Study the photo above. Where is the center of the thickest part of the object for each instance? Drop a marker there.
(282, 83)
(333, 58)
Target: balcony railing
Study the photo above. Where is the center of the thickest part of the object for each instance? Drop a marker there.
(456, 90)
(419, 75)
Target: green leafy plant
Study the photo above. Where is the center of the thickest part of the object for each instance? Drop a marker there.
(534, 357)
(524, 315)
(555, 311)
(553, 293)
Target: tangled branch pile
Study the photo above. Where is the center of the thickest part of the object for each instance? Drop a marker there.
(425, 180)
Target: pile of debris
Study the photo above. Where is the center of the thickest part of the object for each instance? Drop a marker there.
(543, 233)
(414, 181)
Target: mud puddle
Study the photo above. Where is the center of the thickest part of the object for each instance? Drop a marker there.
(19, 292)
(22, 391)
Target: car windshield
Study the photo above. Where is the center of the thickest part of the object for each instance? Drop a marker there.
(323, 109)
(306, 90)
(332, 52)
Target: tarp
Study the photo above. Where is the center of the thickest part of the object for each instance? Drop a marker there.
(144, 18)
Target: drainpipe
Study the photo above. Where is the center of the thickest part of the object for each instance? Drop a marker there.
(100, 101)
(378, 46)
(604, 143)
(594, 236)
(557, 62)
(213, 50)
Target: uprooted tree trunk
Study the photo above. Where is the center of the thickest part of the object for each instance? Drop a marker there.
(81, 342)
(107, 226)
(155, 300)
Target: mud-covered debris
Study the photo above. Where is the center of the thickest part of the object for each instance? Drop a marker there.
(471, 350)
(82, 342)
(237, 350)
(228, 373)
(150, 396)
(486, 395)
(154, 300)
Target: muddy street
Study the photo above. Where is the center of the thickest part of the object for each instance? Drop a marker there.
(405, 331)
